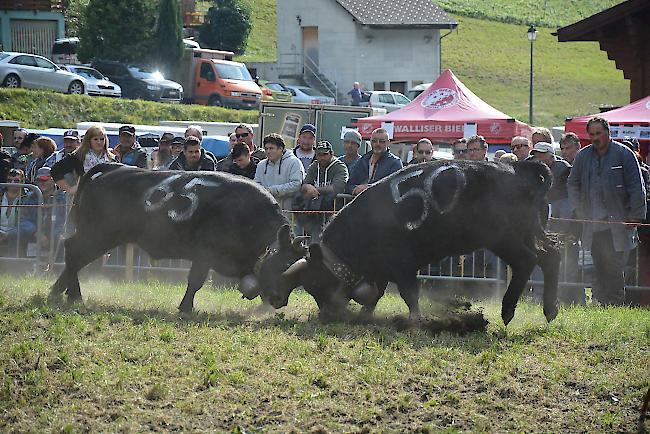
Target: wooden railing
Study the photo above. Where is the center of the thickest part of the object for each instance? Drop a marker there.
(31, 5)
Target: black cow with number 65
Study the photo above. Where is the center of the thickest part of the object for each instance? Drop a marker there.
(417, 216)
(218, 221)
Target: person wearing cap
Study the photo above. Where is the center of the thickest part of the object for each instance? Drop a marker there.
(305, 145)
(71, 142)
(281, 173)
(164, 156)
(374, 165)
(177, 147)
(193, 157)
(52, 216)
(351, 143)
(92, 151)
(244, 133)
(325, 178)
(242, 163)
(423, 152)
(128, 150)
(605, 184)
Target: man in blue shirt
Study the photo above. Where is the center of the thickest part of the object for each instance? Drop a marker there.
(605, 185)
(355, 94)
(374, 165)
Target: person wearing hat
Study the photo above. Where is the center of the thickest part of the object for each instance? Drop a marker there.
(164, 156)
(351, 143)
(177, 146)
(71, 142)
(242, 163)
(128, 150)
(193, 157)
(305, 149)
(325, 178)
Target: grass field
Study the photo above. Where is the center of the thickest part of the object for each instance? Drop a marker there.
(125, 362)
(45, 109)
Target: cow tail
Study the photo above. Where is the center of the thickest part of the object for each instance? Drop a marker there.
(88, 177)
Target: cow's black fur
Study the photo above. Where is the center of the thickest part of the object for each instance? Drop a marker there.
(234, 223)
(498, 207)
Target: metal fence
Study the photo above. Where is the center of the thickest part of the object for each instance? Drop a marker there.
(35, 227)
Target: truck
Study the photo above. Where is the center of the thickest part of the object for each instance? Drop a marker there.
(211, 77)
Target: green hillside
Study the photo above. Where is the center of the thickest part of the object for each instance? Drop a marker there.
(491, 55)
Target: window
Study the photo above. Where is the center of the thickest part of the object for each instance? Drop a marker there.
(23, 60)
(401, 99)
(3, 56)
(145, 73)
(309, 91)
(416, 83)
(386, 98)
(378, 85)
(43, 63)
(88, 73)
(398, 86)
(207, 73)
(233, 72)
(110, 69)
(275, 86)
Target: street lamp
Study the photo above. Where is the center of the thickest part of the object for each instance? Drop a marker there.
(532, 35)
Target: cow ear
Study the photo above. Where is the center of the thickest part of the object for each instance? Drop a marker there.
(284, 237)
(315, 253)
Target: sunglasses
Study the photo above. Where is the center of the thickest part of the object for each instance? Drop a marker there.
(460, 151)
(422, 152)
(242, 135)
(379, 141)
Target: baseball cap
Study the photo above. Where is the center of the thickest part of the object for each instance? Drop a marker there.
(543, 147)
(352, 136)
(71, 134)
(308, 128)
(127, 129)
(178, 140)
(323, 147)
(43, 173)
(167, 137)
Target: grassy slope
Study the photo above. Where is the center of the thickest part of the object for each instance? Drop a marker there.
(492, 57)
(43, 109)
(125, 362)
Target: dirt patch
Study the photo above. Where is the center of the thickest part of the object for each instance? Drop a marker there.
(453, 315)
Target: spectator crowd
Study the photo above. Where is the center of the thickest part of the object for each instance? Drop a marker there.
(605, 182)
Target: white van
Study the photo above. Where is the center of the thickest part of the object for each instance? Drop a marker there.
(64, 51)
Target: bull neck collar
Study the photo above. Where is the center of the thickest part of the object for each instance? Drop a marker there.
(339, 268)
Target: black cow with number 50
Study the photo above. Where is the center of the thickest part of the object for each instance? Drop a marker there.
(216, 220)
(417, 216)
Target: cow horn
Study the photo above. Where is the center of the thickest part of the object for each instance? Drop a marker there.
(365, 293)
(296, 267)
(249, 286)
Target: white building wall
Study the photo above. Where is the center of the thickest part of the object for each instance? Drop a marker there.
(349, 52)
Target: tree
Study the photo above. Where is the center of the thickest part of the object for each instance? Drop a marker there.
(227, 26)
(120, 30)
(73, 11)
(169, 36)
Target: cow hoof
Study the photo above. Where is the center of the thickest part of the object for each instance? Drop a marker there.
(551, 313)
(507, 314)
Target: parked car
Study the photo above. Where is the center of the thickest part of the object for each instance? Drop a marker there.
(96, 83)
(417, 90)
(139, 81)
(307, 95)
(36, 72)
(389, 100)
(273, 91)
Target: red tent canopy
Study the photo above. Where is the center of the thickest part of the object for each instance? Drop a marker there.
(442, 112)
(630, 120)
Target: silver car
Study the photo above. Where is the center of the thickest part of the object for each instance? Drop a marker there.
(96, 83)
(36, 72)
(307, 95)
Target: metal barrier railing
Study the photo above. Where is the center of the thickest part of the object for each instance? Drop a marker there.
(51, 226)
